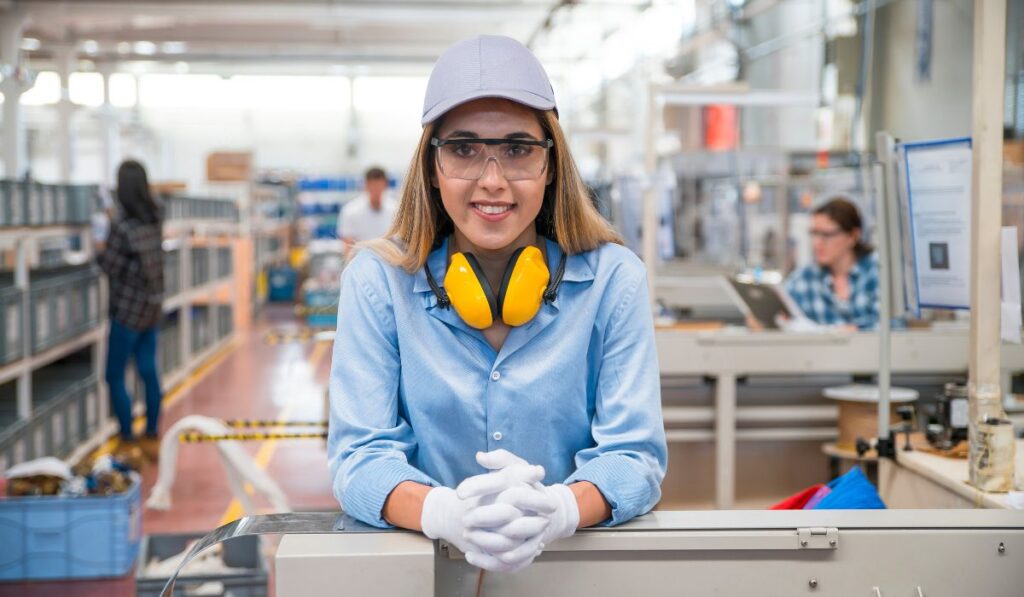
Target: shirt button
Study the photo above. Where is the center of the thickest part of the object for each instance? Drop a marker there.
(495, 376)
(497, 436)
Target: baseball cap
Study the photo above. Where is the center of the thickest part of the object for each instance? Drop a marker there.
(486, 66)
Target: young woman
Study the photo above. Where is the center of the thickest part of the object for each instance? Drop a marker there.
(501, 327)
(841, 286)
(133, 261)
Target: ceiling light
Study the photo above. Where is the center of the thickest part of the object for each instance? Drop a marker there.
(90, 46)
(173, 47)
(146, 48)
(30, 44)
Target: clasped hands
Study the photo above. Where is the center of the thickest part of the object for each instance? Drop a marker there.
(504, 518)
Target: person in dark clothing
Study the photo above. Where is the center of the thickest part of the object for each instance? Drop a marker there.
(133, 261)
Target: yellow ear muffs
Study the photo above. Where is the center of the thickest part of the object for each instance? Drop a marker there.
(522, 289)
(469, 292)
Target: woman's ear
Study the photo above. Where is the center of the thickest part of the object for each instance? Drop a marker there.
(551, 172)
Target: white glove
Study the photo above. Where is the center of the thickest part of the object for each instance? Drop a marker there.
(444, 510)
(548, 513)
(565, 518)
(442, 517)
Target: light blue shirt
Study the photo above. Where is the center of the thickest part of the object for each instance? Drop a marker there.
(416, 392)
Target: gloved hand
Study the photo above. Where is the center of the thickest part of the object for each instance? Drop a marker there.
(444, 510)
(442, 517)
(514, 546)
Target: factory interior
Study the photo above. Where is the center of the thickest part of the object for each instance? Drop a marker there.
(268, 311)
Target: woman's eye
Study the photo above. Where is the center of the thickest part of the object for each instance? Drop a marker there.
(518, 151)
(464, 150)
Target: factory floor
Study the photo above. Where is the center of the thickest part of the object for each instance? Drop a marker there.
(271, 372)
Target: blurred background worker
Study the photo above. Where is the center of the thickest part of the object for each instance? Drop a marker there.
(134, 262)
(840, 287)
(369, 215)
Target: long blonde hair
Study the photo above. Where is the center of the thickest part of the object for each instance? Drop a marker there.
(567, 215)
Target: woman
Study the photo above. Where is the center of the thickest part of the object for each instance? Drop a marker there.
(841, 286)
(134, 261)
(502, 318)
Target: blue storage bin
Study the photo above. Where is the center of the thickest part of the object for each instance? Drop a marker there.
(56, 538)
(282, 282)
(321, 308)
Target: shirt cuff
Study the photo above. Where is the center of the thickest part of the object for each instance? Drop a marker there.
(616, 476)
(370, 487)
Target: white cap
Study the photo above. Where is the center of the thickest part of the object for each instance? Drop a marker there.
(486, 66)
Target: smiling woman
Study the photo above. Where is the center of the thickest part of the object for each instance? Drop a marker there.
(498, 406)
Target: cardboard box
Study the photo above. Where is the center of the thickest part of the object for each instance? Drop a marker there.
(1013, 152)
(224, 166)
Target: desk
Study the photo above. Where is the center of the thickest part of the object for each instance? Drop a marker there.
(923, 480)
(820, 553)
(728, 354)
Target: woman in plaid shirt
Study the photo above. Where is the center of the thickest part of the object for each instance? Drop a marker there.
(133, 260)
(841, 287)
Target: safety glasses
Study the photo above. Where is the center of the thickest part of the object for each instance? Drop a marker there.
(467, 158)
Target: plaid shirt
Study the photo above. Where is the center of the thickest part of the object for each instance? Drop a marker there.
(811, 289)
(134, 262)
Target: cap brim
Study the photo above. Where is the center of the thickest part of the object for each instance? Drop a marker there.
(516, 95)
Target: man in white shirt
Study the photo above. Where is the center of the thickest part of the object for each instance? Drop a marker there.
(369, 215)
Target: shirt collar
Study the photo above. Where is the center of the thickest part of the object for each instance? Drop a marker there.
(860, 267)
(577, 268)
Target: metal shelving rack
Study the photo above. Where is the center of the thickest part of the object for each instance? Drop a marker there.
(25, 242)
(186, 237)
(193, 225)
(270, 226)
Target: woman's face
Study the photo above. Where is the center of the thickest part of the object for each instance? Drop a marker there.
(831, 243)
(492, 213)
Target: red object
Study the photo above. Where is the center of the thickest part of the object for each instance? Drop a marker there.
(823, 159)
(720, 127)
(797, 501)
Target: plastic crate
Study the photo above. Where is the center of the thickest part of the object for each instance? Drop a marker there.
(61, 209)
(31, 199)
(200, 266)
(241, 552)
(41, 314)
(172, 273)
(168, 347)
(12, 205)
(57, 538)
(61, 420)
(282, 282)
(11, 317)
(225, 321)
(51, 294)
(224, 265)
(49, 204)
(58, 410)
(81, 203)
(202, 336)
(321, 308)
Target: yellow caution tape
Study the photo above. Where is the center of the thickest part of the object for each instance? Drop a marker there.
(316, 310)
(262, 423)
(193, 438)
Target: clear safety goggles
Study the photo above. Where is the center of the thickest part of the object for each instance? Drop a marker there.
(467, 158)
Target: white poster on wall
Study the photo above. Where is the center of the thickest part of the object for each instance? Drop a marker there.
(1010, 313)
(938, 183)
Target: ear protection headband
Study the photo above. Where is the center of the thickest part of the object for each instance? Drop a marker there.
(523, 287)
